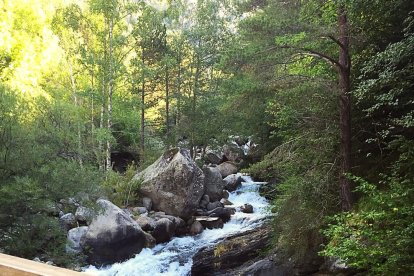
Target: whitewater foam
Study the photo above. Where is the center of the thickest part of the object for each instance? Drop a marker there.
(175, 257)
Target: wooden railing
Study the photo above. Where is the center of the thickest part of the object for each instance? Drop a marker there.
(14, 266)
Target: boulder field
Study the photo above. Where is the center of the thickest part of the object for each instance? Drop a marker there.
(178, 198)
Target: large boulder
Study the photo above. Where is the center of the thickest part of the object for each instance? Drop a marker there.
(213, 183)
(232, 182)
(74, 238)
(174, 183)
(164, 230)
(113, 236)
(213, 158)
(233, 152)
(227, 168)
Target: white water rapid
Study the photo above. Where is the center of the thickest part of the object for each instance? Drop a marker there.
(175, 257)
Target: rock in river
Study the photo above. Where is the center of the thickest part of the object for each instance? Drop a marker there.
(213, 183)
(174, 183)
(227, 168)
(113, 236)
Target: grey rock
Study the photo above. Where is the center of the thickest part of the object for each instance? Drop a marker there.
(226, 194)
(213, 183)
(164, 230)
(210, 222)
(247, 208)
(147, 203)
(174, 183)
(196, 228)
(150, 241)
(74, 238)
(220, 212)
(213, 158)
(214, 205)
(68, 221)
(232, 152)
(227, 168)
(139, 210)
(178, 222)
(84, 214)
(146, 223)
(203, 204)
(206, 198)
(232, 182)
(158, 214)
(226, 202)
(113, 236)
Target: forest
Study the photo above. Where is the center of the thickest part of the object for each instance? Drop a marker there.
(92, 91)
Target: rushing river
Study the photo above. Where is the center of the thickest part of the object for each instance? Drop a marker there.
(175, 257)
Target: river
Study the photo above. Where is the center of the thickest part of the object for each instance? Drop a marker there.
(175, 257)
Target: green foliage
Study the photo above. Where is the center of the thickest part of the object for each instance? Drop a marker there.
(28, 226)
(39, 167)
(378, 235)
(121, 187)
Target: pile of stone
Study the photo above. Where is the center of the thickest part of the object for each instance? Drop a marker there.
(178, 198)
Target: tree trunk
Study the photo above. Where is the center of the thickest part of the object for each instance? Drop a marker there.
(110, 92)
(101, 161)
(142, 136)
(75, 97)
(194, 103)
(178, 91)
(344, 111)
(167, 102)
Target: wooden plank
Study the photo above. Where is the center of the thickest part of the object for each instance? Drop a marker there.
(15, 266)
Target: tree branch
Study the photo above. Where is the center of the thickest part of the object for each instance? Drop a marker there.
(331, 37)
(310, 52)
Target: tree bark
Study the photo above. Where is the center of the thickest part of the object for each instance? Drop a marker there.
(178, 90)
(194, 103)
(110, 93)
(142, 135)
(344, 111)
(101, 161)
(75, 97)
(167, 101)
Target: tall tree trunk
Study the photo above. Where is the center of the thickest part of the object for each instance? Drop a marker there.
(75, 97)
(194, 102)
(101, 125)
(344, 111)
(178, 91)
(167, 102)
(142, 134)
(93, 112)
(110, 93)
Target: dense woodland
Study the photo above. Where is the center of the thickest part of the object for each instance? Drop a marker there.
(324, 88)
